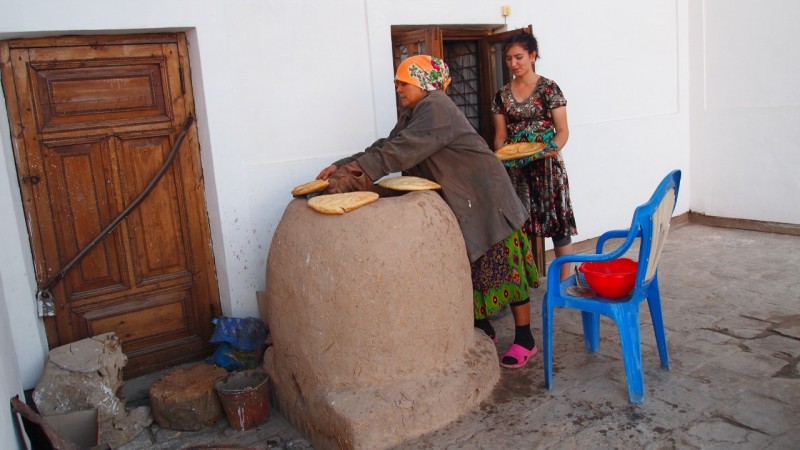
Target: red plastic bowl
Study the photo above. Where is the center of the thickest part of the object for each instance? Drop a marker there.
(611, 279)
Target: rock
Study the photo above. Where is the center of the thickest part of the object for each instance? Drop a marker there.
(371, 319)
(125, 427)
(87, 374)
(185, 399)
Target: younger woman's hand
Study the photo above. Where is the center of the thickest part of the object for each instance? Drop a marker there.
(326, 172)
(550, 154)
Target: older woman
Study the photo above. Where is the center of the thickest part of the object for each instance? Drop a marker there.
(434, 140)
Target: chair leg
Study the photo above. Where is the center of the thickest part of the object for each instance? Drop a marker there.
(591, 331)
(627, 319)
(547, 345)
(654, 303)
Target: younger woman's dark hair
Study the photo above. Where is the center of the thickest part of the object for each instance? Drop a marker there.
(524, 40)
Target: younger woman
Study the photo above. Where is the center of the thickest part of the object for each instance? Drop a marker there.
(532, 108)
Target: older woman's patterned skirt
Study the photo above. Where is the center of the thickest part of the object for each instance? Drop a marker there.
(504, 274)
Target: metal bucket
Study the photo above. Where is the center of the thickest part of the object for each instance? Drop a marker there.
(245, 398)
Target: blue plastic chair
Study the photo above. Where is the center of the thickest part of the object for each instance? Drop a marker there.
(650, 226)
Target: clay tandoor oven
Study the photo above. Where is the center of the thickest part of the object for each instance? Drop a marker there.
(371, 320)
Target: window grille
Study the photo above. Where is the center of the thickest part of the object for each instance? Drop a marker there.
(463, 59)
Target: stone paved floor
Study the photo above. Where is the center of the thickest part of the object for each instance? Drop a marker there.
(731, 302)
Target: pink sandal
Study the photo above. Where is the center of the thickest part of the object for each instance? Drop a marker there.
(520, 354)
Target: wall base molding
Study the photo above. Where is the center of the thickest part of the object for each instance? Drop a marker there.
(744, 224)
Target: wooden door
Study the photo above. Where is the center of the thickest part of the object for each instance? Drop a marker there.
(92, 120)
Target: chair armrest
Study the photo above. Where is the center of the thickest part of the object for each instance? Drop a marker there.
(553, 282)
(614, 234)
(555, 266)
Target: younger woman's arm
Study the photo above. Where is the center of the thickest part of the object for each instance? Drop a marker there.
(500, 132)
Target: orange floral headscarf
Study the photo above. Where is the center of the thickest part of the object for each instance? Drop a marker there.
(425, 72)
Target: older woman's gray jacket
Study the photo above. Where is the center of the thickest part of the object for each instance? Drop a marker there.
(434, 140)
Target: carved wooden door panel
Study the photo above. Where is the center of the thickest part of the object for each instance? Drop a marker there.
(92, 120)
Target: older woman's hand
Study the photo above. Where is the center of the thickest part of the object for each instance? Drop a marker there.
(326, 172)
(348, 178)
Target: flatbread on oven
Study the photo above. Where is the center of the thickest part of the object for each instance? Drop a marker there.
(341, 203)
(408, 183)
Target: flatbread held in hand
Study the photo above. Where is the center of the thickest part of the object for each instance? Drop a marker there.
(310, 187)
(341, 203)
(519, 150)
(408, 183)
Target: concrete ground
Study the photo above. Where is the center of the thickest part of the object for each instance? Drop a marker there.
(731, 302)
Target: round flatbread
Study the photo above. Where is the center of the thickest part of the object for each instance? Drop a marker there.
(407, 183)
(310, 187)
(341, 203)
(519, 150)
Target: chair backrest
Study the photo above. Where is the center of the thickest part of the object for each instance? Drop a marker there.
(653, 218)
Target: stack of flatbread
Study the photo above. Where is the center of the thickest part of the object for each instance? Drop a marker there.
(519, 150)
(341, 203)
(408, 183)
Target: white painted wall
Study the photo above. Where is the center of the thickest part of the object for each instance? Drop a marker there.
(10, 383)
(622, 67)
(745, 108)
(284, 87)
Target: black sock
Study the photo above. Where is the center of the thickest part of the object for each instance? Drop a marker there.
(485, 326)
(524, 337)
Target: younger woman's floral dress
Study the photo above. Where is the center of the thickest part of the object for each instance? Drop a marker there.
(542, 185)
